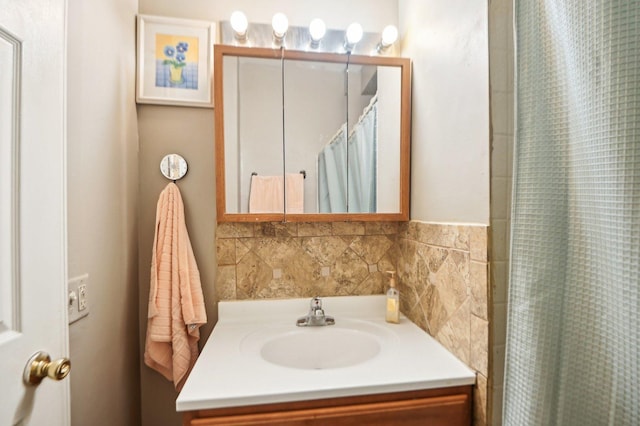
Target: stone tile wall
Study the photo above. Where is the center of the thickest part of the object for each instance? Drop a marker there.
(276, 260)
(442, 271)
(443, 277)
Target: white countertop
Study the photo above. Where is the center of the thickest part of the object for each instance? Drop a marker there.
(231, 372)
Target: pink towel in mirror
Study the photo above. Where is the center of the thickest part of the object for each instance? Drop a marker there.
(267, 194)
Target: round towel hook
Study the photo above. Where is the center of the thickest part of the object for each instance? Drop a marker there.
(173, 167)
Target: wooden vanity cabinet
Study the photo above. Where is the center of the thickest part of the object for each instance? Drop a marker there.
(434, 407)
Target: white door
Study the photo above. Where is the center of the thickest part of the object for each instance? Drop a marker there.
(32, 207)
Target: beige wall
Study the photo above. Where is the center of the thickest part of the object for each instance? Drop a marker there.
(373, 15)
(447, 42)
(188, 132)
(102, 200)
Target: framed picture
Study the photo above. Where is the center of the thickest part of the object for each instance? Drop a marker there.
(175, 61)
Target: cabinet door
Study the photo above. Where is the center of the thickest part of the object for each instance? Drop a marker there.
(315, 117)
(374, 138)
(450, 410)
(253, 133)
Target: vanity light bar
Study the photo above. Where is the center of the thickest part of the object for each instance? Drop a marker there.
(314, 37)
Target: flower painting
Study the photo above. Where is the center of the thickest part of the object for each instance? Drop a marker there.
(176, 61)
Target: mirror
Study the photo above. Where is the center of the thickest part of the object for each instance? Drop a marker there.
(253, 125)
(311, 136)
(315, 107)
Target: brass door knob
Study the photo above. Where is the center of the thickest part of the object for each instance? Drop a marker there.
(40, 366)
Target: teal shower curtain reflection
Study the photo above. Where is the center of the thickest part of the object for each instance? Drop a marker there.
(347, 170)
(363, 149)
(332, 174)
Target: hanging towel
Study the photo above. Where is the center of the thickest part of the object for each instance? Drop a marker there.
(295, 193)
(267, 195)
(176, 304)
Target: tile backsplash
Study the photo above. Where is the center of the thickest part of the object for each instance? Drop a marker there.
(442, 274)
(276, 260)
(443, 278)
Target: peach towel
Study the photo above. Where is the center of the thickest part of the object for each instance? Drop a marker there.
(266, 194)
(176, 303)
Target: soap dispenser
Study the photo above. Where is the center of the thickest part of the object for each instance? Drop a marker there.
(393, 300)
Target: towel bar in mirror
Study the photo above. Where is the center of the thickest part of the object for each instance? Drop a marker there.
(344, 119)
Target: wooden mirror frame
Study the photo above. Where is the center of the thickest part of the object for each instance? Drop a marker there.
(220, 51)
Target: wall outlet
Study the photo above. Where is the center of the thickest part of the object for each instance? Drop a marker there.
(82, 297)
(78, 302)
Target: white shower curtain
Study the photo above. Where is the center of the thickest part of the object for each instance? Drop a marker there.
(573, 337)
(363, 148)
(347, 180)
(332, 174)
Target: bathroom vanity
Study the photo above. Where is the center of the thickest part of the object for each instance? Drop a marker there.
(259, 368)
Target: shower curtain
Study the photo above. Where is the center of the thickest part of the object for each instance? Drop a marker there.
(347, 178)
(332, 174)
(362, 161)
(573, 337)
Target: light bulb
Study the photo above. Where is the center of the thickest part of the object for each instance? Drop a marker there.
(354, 33)
(389, 35)
(317, 30)
(239, 23)
(280, 25)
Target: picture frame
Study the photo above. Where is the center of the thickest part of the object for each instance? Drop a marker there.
(174, 61)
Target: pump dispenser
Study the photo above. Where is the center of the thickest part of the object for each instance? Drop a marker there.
(393, 300)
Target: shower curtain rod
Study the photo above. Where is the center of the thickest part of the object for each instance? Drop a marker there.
(366, 109)
(342, 129)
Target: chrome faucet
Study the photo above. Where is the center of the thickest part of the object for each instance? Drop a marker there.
(316, 316)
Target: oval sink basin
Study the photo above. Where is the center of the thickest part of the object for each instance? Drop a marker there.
(320, 348)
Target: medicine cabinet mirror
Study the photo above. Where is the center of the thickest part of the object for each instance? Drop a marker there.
(309, 137)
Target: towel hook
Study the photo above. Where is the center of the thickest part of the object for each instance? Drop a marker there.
(173, 167)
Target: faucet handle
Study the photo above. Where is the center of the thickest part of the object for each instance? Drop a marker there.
(316, 303)
(316, 316)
